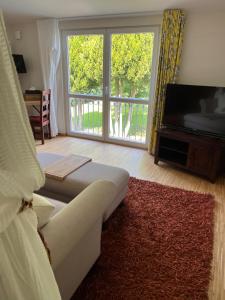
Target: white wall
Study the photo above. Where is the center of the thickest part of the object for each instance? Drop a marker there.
(28, 47)
(203, 57)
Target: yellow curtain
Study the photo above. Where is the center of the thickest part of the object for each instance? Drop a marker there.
(169, 61)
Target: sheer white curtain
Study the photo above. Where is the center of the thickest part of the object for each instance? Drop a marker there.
(25, 272)
(50, 53)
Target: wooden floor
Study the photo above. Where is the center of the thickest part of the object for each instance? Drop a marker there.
(141, 165)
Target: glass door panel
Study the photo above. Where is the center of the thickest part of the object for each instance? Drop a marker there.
(128, 121)
(86, 116)
(85, 83)
(130, 77)
(131, 60)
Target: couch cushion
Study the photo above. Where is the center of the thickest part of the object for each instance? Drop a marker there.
(58, 206)
(77, 181)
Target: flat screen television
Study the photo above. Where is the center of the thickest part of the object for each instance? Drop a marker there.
(19, 62)
(200, 109)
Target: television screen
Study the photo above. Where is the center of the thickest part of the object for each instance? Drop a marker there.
(19, 62)
(195, 108)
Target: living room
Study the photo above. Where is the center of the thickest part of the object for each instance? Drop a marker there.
(129, 172)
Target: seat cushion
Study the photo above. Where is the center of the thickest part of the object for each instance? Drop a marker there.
(37, 119)
(58, 206)
(77, 181)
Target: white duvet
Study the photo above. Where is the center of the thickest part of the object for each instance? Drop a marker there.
(25, 272)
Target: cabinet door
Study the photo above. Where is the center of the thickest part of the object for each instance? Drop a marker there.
(200, 159)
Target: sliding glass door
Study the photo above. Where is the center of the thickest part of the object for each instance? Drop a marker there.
(85, 83)
(110, 77)
(131, 56)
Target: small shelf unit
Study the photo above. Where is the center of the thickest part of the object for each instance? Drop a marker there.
(204, 156)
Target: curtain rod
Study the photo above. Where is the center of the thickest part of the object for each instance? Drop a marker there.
(136, 14)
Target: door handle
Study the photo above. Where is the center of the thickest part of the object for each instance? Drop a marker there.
(106, 90)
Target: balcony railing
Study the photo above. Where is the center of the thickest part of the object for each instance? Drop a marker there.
(128, 121)
(86, 116)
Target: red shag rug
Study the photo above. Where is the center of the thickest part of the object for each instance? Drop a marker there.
(158, 245)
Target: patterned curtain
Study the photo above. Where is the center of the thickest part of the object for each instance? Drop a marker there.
(169, 61)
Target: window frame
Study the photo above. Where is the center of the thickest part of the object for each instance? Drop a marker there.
(106, 98)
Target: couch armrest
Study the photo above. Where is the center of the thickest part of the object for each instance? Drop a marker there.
(67, 227)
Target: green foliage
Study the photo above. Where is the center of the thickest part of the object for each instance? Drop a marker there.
(85, 64)
(138, 120)
(92, 120)
(130, 64)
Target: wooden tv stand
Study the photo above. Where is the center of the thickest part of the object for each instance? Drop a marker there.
(204, 156)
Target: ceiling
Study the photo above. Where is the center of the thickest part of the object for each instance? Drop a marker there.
(22, 11)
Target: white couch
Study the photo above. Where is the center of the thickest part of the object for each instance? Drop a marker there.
(73, 234)
(78, 180)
